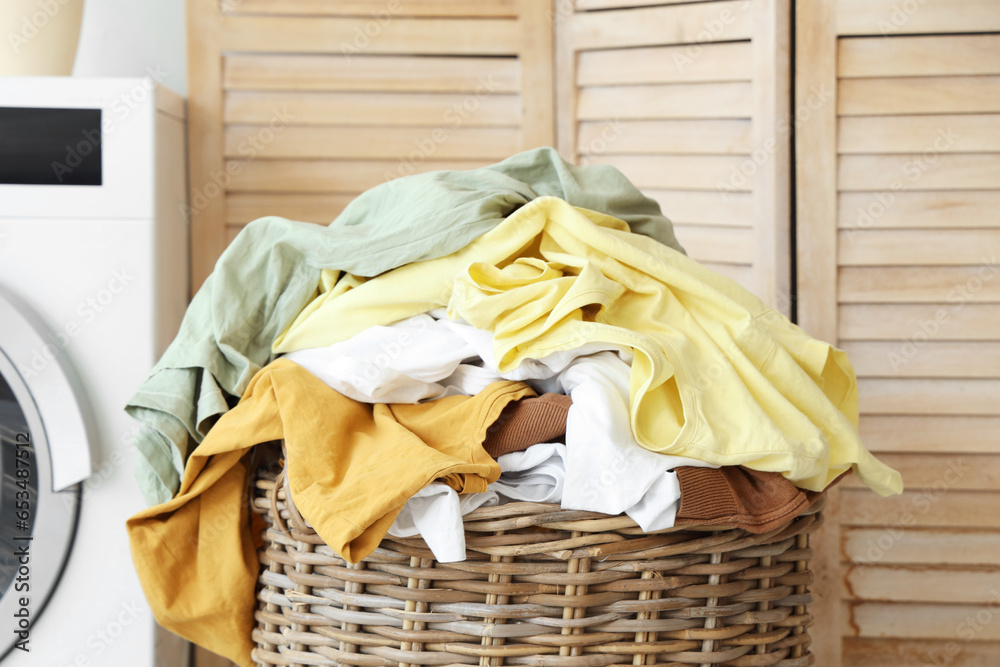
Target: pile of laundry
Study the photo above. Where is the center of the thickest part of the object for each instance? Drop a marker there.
(529, 331)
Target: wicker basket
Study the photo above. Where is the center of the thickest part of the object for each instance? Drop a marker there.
(541, 586)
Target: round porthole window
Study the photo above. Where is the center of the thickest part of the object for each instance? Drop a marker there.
(38, 511)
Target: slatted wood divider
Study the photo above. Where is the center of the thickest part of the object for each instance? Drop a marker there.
(898, 188)
(690, 101)
(299, 105)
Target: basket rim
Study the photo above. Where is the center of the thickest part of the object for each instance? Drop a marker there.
(520, 514)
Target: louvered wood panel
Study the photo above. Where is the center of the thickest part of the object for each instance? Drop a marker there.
(441, 8)
(928, 395)
(918, 95)
(664, 24)
(919, 208)
(367, 109)
(894, 584)
(249, 33)
(328, 176)
(611, 4)
(898, 181)
(685, 172)
(891, 173)
(963, 133)
(901, 284)
(921, 508)
(690, 100)
(891, 17)
(674, 137)
(974, 472)
(937, 359)
(308, 207)
(387, 143)
(379, 73)
(922, 247)
(924, 621)
(706, 208)
(300, 105)
(917, 55)
(676, 100)
(722, 62)
(930, 546)
(933, 433)
(919, 653)
(956, 319)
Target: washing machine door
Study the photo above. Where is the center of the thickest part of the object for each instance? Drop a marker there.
(45, 452)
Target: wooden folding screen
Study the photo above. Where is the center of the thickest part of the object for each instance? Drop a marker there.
(898, 193)
(296, 106)
(691, 101)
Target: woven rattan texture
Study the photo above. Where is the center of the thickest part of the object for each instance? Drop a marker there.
(541, 586)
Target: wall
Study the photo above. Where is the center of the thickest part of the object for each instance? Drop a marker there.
(134, 38)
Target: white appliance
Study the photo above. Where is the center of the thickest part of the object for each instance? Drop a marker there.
(93, 285)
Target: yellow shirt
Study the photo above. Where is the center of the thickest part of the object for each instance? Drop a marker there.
(717, 375)
(351, 467)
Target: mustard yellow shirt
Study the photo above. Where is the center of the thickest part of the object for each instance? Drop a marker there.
(717, 375)
(351, 467)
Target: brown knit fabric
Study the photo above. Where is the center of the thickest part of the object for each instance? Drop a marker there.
(528, 422)
(753, 500)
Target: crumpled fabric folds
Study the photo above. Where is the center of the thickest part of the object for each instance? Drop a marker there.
(525, 332)
(351, 468)
(716, 375)
(272, 270)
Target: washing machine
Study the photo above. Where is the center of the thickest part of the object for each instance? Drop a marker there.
(93, 285)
